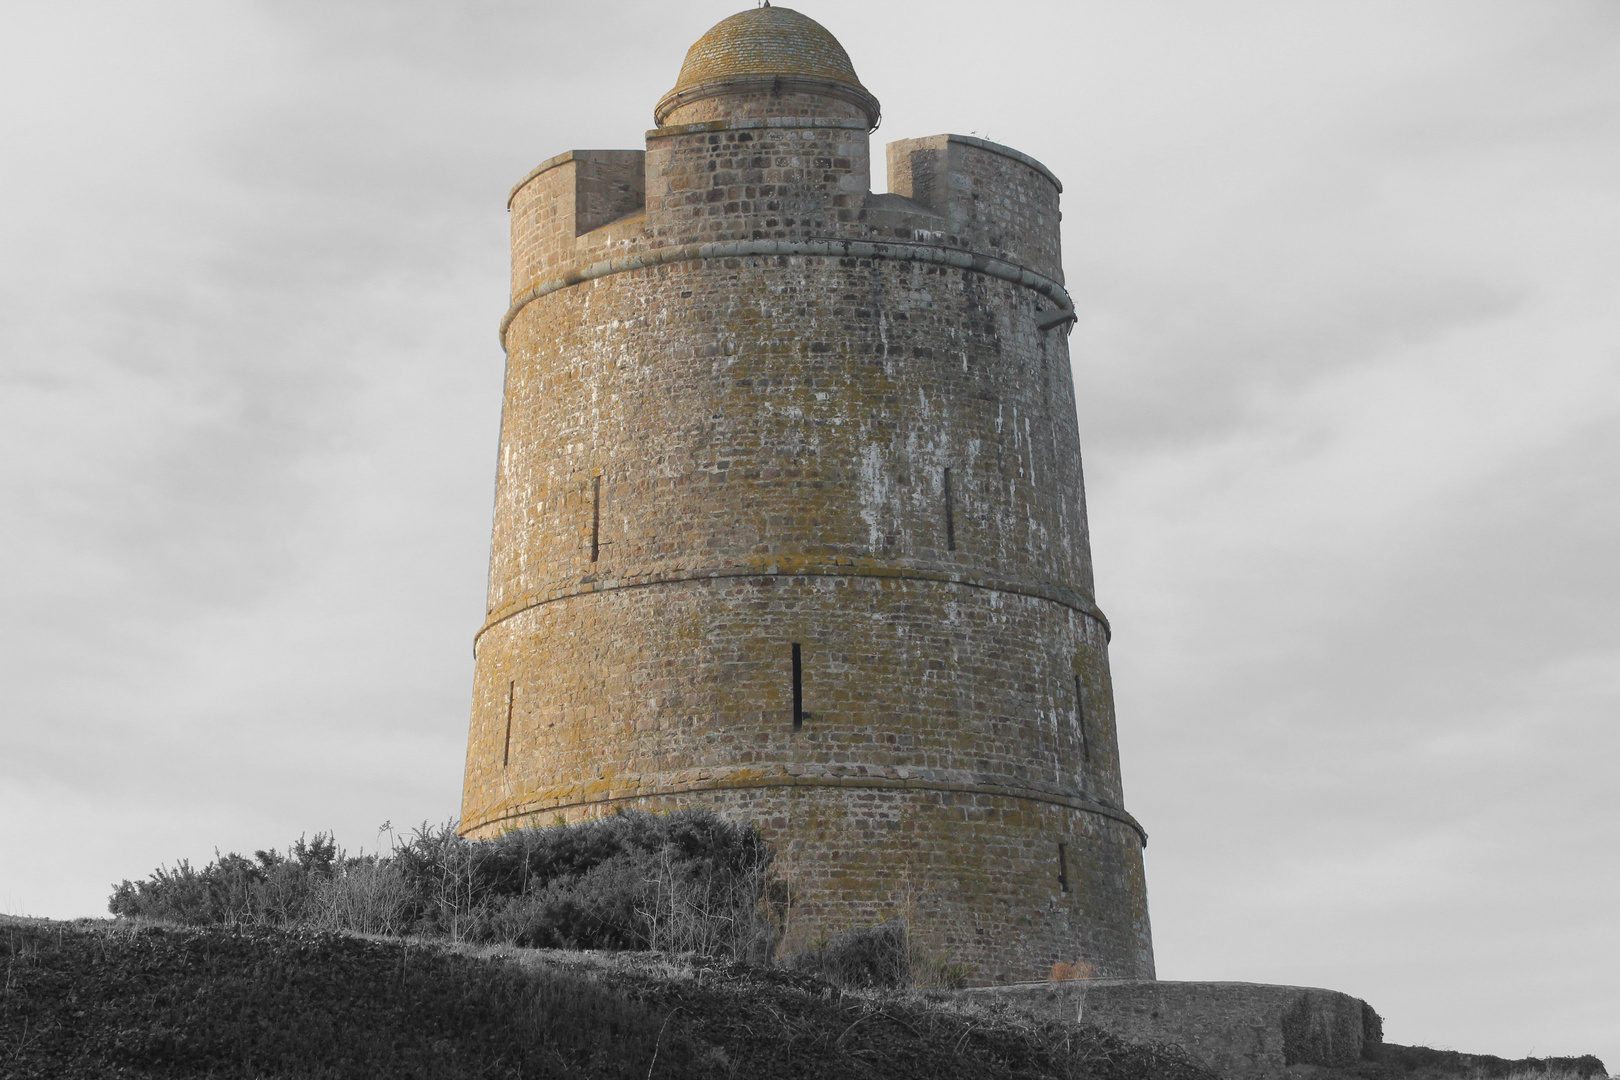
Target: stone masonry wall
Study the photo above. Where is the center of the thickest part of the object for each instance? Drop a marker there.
(1000, 201)
(717, 180)
(565, 197)
(788, 407)
(915, 682)
(1243, 1031)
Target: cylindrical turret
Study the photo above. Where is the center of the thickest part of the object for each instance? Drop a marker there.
(789, 517)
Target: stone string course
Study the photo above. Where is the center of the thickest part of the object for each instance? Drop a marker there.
(707, 460)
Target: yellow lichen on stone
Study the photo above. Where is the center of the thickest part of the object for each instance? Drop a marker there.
(766, 41)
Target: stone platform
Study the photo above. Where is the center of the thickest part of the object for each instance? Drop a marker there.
(1244, 1031)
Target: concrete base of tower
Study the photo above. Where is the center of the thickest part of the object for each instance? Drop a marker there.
(1003, 887)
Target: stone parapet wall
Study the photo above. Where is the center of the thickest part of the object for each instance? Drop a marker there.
(780, 178)
(564, 198)
(997, 199)
(1244, 1031)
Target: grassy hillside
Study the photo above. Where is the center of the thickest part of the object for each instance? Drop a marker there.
(97, 999)
(123, 999)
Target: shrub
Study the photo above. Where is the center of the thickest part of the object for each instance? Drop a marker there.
(1397, 1059)
(687, 882)
(367, 895)
(865, 957)
(233, 890)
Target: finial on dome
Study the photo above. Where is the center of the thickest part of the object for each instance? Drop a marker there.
(772, 50)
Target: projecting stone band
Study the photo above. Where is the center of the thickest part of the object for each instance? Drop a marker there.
(610, 796)
(799, 568)
(838, 249)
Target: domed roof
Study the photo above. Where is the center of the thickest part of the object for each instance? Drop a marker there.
(765, 43)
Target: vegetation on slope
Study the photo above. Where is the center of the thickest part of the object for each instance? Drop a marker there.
(100, 1000)
(687, 881)
(1393, 1061)
(259, 972)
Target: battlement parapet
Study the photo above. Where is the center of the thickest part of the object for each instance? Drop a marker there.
(781, 178)
(565, 197)
(1002, 201)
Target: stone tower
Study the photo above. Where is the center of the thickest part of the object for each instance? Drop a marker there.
(789, 519)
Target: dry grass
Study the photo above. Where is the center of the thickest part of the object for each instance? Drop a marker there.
(685, 881)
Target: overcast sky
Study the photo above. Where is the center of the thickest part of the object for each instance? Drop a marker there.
(1348, 366)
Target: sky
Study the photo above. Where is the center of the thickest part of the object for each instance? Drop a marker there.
(1348, 373)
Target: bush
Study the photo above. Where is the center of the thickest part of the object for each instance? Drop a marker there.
(1394, 1060)
(368, 896)
(866, 957)
(233, 890)
(687, 882)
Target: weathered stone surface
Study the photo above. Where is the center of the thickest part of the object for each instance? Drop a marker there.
(1245, 1031)
(845, 424)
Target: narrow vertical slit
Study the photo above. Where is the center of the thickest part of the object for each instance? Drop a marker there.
(596, 516)
(950, 515)
(798, 689)
(506, 748)
(1080, 716)
(1063, 866)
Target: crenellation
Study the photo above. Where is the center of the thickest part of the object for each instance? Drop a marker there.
(564, 198)
(1003, 201)
(608, 185)
(542, 222)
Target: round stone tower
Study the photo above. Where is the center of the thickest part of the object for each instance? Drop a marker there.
(789, 519)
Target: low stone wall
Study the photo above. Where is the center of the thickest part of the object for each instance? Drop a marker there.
(1244, 1031)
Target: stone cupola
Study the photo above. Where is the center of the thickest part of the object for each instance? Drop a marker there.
(768, 61)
